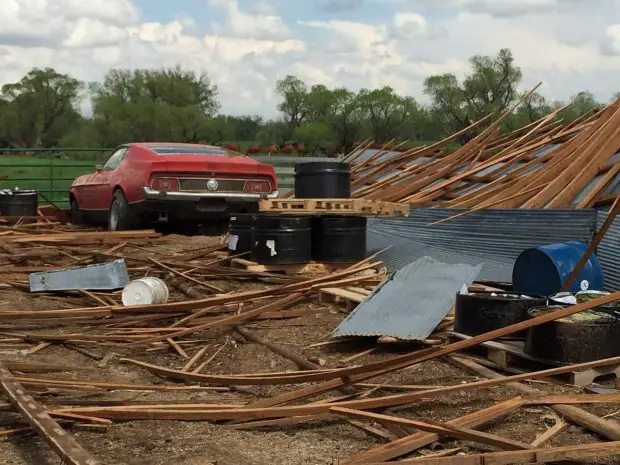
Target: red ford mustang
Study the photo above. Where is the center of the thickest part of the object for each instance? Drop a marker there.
(168, 182)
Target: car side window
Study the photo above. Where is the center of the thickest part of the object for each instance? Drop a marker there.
(115, 159)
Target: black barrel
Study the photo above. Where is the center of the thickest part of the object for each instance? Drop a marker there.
(322, 180)
(579, 338)
(338, 239)
(19, 203)
(481, 312)
(281, 240)
(240, 234)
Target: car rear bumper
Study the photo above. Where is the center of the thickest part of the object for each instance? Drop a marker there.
(152, 194)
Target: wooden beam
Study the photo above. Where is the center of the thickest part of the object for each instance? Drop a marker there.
(46, 427)
(457, 432)
(545, 455)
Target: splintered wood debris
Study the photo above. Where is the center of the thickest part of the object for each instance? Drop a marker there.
(241, 356)
(178, 362)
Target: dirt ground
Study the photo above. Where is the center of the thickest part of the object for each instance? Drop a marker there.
(204, 443)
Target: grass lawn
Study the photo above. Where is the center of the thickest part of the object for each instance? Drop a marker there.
(50, 176)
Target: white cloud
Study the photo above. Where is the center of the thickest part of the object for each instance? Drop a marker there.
(500, 8)
(262, 25)
(613, 34)
(570, 49)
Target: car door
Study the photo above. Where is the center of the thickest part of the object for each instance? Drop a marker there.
(103, 182)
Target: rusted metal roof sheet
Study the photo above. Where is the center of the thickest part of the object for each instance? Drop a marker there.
(411, 302)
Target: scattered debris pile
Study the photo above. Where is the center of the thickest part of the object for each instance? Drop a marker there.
(238, 355)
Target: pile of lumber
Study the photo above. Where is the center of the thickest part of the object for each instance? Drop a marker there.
(544, 165)
(211, 301)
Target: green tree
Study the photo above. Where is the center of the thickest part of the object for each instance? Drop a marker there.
(36, 108)
(385, 112)
(140, 105)
(531, 109)
(339, 109)
(490, 87)
(580, 104)
(274, 132)
(294, 105)
(315, 136)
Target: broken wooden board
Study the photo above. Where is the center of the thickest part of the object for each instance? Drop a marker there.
(302, 268)
(363, 207)
(510, 354)
(351, 298)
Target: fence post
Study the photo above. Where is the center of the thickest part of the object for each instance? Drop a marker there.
(51, 192)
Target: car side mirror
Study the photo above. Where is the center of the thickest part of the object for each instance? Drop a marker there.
(98, 167)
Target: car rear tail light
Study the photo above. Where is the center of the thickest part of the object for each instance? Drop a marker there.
(165, 184)
(257, 187)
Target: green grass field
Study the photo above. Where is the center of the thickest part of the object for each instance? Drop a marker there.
(50, 176)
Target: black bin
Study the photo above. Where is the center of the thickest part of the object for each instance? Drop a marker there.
(240, 234)
(281, 240)
(481, 312)
(338, 239)
(19, 203)
(322, 180)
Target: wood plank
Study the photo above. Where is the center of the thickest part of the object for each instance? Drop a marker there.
(457, 432)
(46, 427)
(545, 455)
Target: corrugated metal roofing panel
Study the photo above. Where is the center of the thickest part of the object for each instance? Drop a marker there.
(403, 251)
(490, 233)
(608, 252)
(411, 303)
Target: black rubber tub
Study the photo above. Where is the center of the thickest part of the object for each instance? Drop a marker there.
(480, 312)
(322, 180)
(583, 337)
(281, 240)
(240, 234)
(338, 239)
(18, 203)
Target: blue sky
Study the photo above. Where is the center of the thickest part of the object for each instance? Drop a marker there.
(245, 46)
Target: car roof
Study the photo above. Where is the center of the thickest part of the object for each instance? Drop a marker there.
(150, 145)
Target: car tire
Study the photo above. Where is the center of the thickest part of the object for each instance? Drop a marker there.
(77, 215)
(120, 217)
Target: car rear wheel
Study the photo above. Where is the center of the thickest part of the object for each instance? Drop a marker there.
(77, 215)
(121, 218)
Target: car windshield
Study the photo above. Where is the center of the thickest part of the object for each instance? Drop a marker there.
(192, 151)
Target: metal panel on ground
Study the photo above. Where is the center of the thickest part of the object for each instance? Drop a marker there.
(608, 252)
(411, 303)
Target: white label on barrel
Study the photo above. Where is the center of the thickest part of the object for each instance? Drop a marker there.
(232, 242)
(272, 246)
(584, 285)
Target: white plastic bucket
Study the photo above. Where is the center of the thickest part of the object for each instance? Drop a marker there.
(145, 291)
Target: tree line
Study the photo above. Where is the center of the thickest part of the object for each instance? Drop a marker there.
(178, 105)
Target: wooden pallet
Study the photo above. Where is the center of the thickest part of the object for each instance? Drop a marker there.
(305, 268)
(362, 207)
(350, 296)
(510, 354)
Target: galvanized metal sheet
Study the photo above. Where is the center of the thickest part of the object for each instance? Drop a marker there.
(490, 233)
(402, 251)
(608, 252)
(411, 303)
(102, 276)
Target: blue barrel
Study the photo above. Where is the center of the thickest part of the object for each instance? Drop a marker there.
(544, 269)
